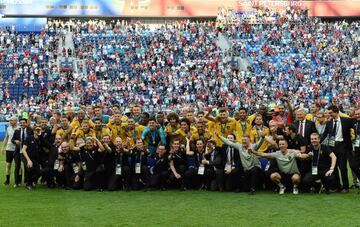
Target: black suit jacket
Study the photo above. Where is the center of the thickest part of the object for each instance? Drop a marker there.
(17, 136)
(346, 124)
(236, 157)
(309, 128)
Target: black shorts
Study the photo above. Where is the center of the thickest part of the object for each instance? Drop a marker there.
(10, 156)
(286, 178)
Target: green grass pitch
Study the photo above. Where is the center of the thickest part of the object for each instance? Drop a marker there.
(45, 207)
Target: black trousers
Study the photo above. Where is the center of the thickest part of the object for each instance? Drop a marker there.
(309, 179)
(252, 177)
(140, 180)
(66, 178)
(17, 161)
(33, 173)
(116, 182)
(232, 180)
(93, 180)
(214, 179)
(190, 177)
(341, 152)
(181, 169)
(193, 179)
(158, 180)
(48, 174)
(354, 161)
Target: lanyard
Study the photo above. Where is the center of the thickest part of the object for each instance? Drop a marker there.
(153, 136)
(223, 127)
(212, 157)
(139, 157)
(243, 127)
(120, 162)
(134, 133)
(200, 156)
(318, 158)
(90, 155)
(257, 132)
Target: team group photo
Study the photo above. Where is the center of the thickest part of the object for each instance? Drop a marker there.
(185, 113)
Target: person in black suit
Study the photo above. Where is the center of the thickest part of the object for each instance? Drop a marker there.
(160, 171)
(231, 174)
(354, 157)
(303, 126)
(19, 138)
(214, 166)
(338, 131)
(31, 152)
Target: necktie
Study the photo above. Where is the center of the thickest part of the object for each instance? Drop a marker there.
(335, 127)
(22, 135)
(301, 128)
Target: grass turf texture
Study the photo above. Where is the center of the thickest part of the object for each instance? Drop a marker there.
(57, 207)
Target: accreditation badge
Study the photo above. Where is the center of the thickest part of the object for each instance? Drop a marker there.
(118, 170)
(357, 142)
(331, 142)
(137, 168)
(314, 170)
(201, 170)
(84, 166)
(75, 168)
(56, 165)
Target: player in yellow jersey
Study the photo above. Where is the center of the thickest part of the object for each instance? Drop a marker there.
(222, 125)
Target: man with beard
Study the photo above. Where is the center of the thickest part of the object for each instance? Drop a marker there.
(85, 130)
(100, 130)
(222, 125)
(79, 119)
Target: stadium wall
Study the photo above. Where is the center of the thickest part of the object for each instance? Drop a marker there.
(168, 8)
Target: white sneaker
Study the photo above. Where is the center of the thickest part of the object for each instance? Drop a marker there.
(282, 190)
(295, 191)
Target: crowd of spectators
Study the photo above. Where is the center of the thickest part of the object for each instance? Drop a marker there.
(174, 64)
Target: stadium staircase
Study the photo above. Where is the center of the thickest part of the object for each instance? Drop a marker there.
(236, 61)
